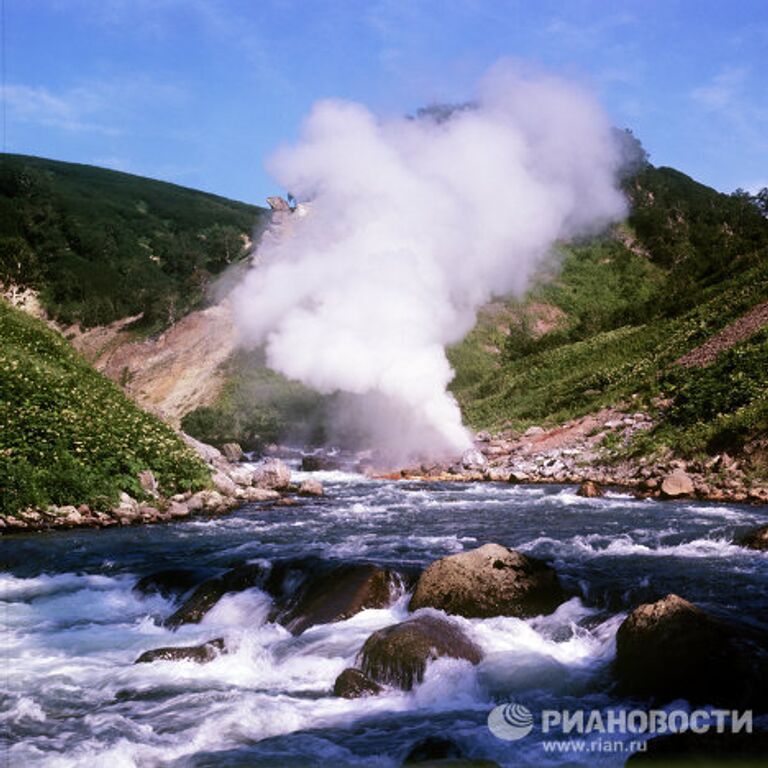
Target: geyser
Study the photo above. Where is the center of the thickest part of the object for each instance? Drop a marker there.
(413, 225)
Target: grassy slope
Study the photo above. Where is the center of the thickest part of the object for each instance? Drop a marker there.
(101, 245)
(70, 436)
(688, 262)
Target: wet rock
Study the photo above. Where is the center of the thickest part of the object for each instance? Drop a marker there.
(489, 581)
(171, 582)
(319, 464)
(590, 490)
(757, 539)
(704, 749)
(433, 748)
(273, 474)
(178, 510)
(207, 594)
(353, 684)
(337, 594)
(671, 649)
(499, 475)
(200, 654)
(148, 483)
(398, 655)
(286, 503)
(677, 484)
(311, 487)
(232, 452)
(257, 494)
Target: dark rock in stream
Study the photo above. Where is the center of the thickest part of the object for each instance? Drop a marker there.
(671, 649)
(590, 490)
(756, 539)
(489, 581)
(319, 463)
(200, 654)
(212, 590)
(352, 684)
(433, 748)
(171, 582)
(337, 594)
(398, 655)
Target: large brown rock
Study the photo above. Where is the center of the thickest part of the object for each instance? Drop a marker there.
(353, 684)
(200, 654)
(590, 490)
(489, 581)
(671, 649)
(337, 594)
(757, 539)
(273, 474)
(398, 655)
(677, 484)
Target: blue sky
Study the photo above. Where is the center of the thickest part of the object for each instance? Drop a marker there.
(198, 92)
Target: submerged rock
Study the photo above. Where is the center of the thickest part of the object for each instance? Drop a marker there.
(212, 590)
(433, 748)
(171, 582)
(337, 594)
(756, 539)
(353, 684)
(200, 654)
(489, 581)
(671, 649)
(398, 655)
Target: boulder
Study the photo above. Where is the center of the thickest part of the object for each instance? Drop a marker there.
(224, 484)
(353, 684)
(319, 463)
(206, 452)
(671, 649)
(336, 594)
(257, 494)
(171, 582)
(311, 487)
(756, 539)
(398, 655)
(534, 431)
(473, 460)
(431, 749)
(676, 484)
(273, 474)
(232, 452)
(590, 490)
(489, 581)
(200, 654)
(241, 475)
(212, 590)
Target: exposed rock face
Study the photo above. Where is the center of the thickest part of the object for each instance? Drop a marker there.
(212, 590)
(337, 594)
(757, 539)
(590, 490)
(200, 654)
(671, 649)
(398, 655)
(311, 487)
(273, 474)
(489, 581)
(353, 684)
(232, 452)
(676, 484)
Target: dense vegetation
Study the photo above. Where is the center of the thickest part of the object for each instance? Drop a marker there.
(688, 262)
(102, 245)
(70, 436)
(257, 406)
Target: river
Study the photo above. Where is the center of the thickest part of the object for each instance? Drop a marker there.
(73, 625)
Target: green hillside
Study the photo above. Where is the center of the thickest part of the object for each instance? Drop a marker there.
(70, 436)
(102, 245)
(687, 262)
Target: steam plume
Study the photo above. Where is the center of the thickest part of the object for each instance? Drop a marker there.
(413, 224)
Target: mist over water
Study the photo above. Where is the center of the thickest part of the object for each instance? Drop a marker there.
(413, 224)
